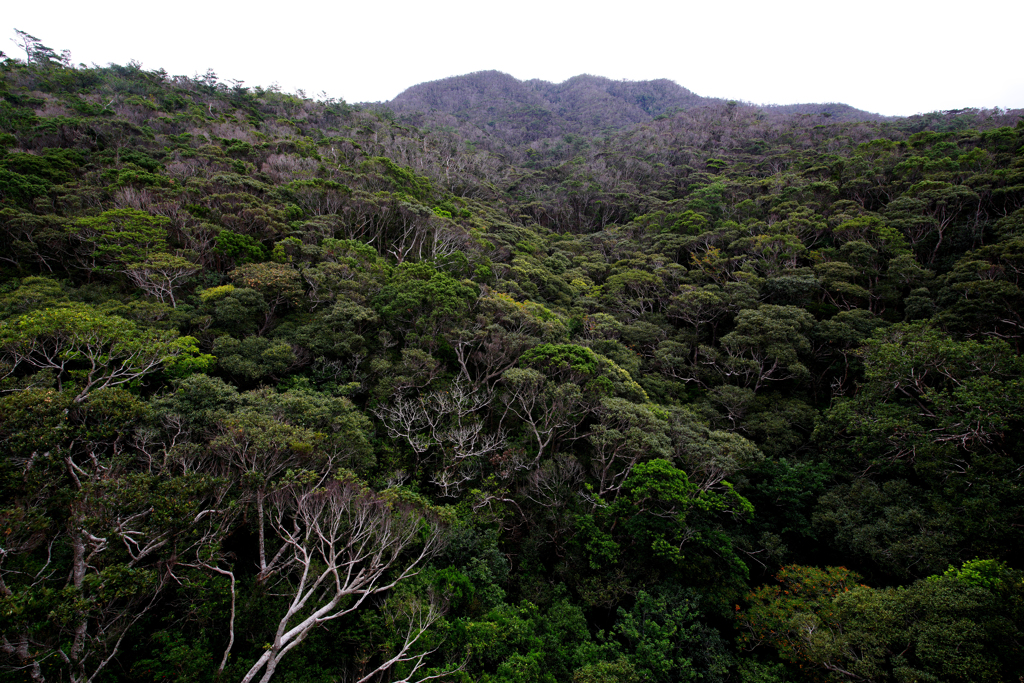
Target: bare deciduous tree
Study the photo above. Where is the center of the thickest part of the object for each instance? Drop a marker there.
(446, 419)
(160, 274)
(411, 619)
(341, 545)
(548, 411)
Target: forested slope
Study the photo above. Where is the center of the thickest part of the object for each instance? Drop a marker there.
(509, 114)
(302, 391)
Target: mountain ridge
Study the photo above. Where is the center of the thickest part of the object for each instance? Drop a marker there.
(525, 111)
(585, 102)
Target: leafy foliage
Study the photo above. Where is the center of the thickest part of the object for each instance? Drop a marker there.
(505, 382)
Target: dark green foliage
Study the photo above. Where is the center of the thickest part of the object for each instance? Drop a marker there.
(665, 640)
(608, 354)
(958, 626)
(240, 249)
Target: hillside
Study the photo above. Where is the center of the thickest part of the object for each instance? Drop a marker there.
(510, 382)
(519, 113)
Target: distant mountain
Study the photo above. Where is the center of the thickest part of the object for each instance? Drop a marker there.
(618, 103)
(467, 93)
(837, 111)
(521, 112)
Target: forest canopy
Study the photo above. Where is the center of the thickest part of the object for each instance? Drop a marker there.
(500, 382)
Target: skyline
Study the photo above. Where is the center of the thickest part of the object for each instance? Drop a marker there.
(891, 58)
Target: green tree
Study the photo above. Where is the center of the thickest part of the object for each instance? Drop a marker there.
(118, 239)
(423, 304)
(83, 348)
(93, 540)
(765, 346)
(960, 626)
(675, 524)
(663, 638)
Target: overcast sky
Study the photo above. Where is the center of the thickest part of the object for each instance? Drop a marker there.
(887, 56)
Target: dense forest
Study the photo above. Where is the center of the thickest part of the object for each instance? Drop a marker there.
(504, 382)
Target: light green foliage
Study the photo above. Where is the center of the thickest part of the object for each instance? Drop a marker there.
(86, 349)
(215, 293)
(988, 574)
(190, 361)
(119, 238)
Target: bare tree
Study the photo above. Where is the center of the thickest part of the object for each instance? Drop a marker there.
(160, 274)
(127, 535)
(410, 619)
(555, 483)
(341, 544)
(547, 410)
(448, 421)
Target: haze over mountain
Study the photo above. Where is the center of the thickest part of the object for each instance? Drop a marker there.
(525, 111)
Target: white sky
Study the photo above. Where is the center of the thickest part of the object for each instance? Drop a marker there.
(893, 57)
